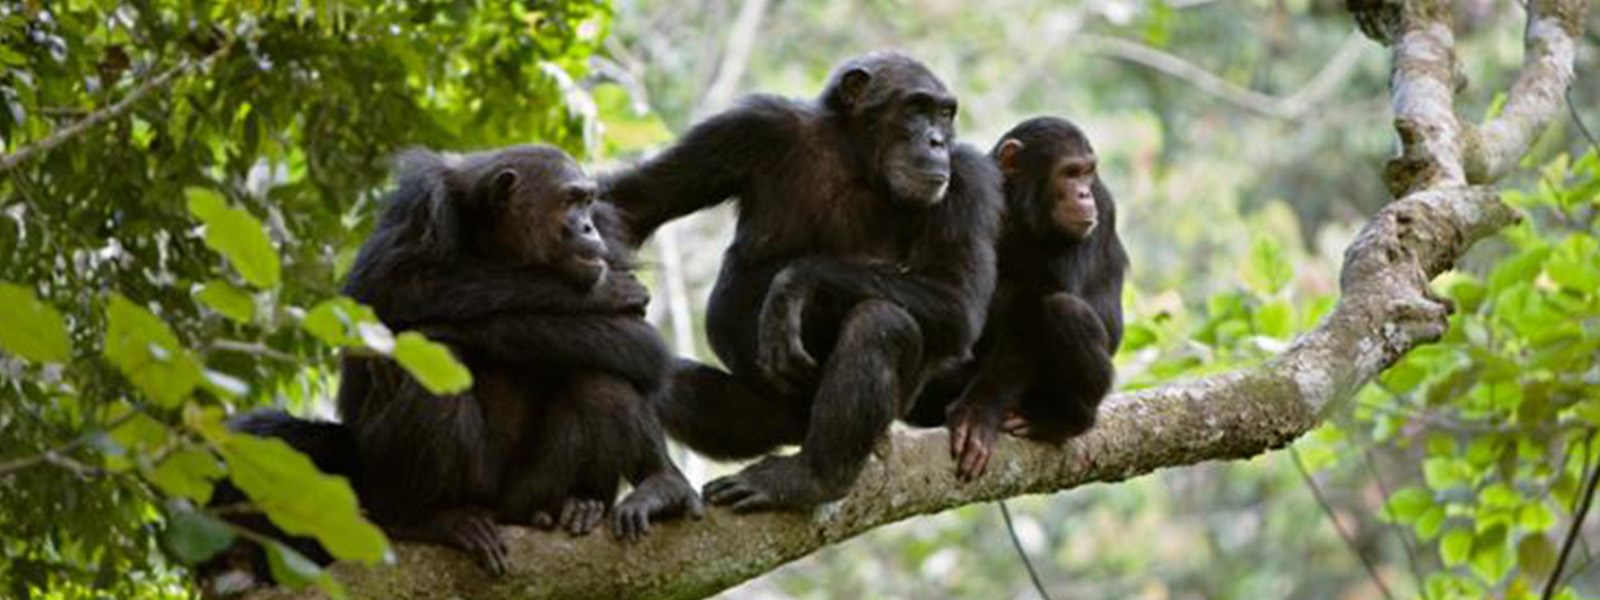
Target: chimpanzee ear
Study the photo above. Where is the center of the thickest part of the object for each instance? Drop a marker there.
(1009, 152)
(502, 186)
(853, 86)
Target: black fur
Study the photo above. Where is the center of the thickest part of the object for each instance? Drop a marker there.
(845, 251)
(1056, 320)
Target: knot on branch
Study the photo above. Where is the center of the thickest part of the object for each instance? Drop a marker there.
(1378, 19)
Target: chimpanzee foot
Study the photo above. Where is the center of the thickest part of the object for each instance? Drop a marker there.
(774, 483)
(578, 516)
(469, 530)
(665, 494)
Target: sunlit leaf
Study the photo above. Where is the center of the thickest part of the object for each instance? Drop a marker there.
(230, 301)
(31, 329)
(1267, 270)
(431, 363)
(188, 473)
(294, 570)
(148, 353)
(1456, 547)
(296, 496)
(236, 235)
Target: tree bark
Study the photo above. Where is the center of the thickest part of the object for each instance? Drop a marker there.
(1384, 311)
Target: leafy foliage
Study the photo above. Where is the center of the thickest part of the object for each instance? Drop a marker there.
(176, 259)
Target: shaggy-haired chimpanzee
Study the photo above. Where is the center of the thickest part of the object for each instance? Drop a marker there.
(505, 257)
(1043, 363)
(863, 260)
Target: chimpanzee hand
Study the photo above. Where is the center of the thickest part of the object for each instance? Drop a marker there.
(781, 351)
(973, 428)
(626, 294)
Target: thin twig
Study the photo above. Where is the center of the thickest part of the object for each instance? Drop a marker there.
(255, 348)
(1405, 540)
(1011, 528)
(1349, 540)
(57, 455)
(1291, 107)
(10, 161)
(1577, 523)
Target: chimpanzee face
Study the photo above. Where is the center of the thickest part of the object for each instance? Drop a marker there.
(1071, 193)
(542, 208)
(916, 153)
(1057, 176)
(904, 118)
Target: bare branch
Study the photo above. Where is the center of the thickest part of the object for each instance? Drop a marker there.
(10, 161)
(1495, 148)
(1321, 87)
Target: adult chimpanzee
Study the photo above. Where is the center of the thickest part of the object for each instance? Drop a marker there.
(863, 260)
(1043, 363)
(504, 256)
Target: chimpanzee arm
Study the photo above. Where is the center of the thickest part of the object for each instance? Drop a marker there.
(469, 289)
(946, 285)
(707, 166)
(628, 347)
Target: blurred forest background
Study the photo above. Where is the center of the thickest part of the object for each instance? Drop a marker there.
(178, 259)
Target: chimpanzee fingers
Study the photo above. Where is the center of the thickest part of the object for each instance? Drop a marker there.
(592, 514)
(694, 506)
(974, 461)
(958, 439)
(756, 500)
(483, 542)
(1013, 424)
(726, 490)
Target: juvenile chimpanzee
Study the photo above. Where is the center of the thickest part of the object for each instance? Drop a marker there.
(863, 260)
(1043, 363)
(504, 256)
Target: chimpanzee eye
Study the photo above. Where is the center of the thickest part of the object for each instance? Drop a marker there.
(948, 112)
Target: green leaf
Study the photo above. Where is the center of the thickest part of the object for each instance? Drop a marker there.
(297, 497)
(290, 568)
(1456, 547)
(1275, 320)
(1536, 516)
(338, 321)
(230, 301)
(1408, 505)
(1267, 271)
(1518, 269)
(147, 352)
(1490, 561)
(1443, 473)
(1430, 523)
(1573, 264)
(1536, 555)
(195, 536)
(236, 235)
(31, 329)
(432, 364)
(188, 473)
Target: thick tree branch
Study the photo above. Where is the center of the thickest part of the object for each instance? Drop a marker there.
(1495, 148)
(1385, 309)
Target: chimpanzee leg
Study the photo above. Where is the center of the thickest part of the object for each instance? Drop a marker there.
(632, 437)
(1077, 375)
(867, 381)
(422, 462)
(723, 417)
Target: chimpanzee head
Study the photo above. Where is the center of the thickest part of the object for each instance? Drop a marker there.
(903, 118)
(1051, 178)
(530, 205)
